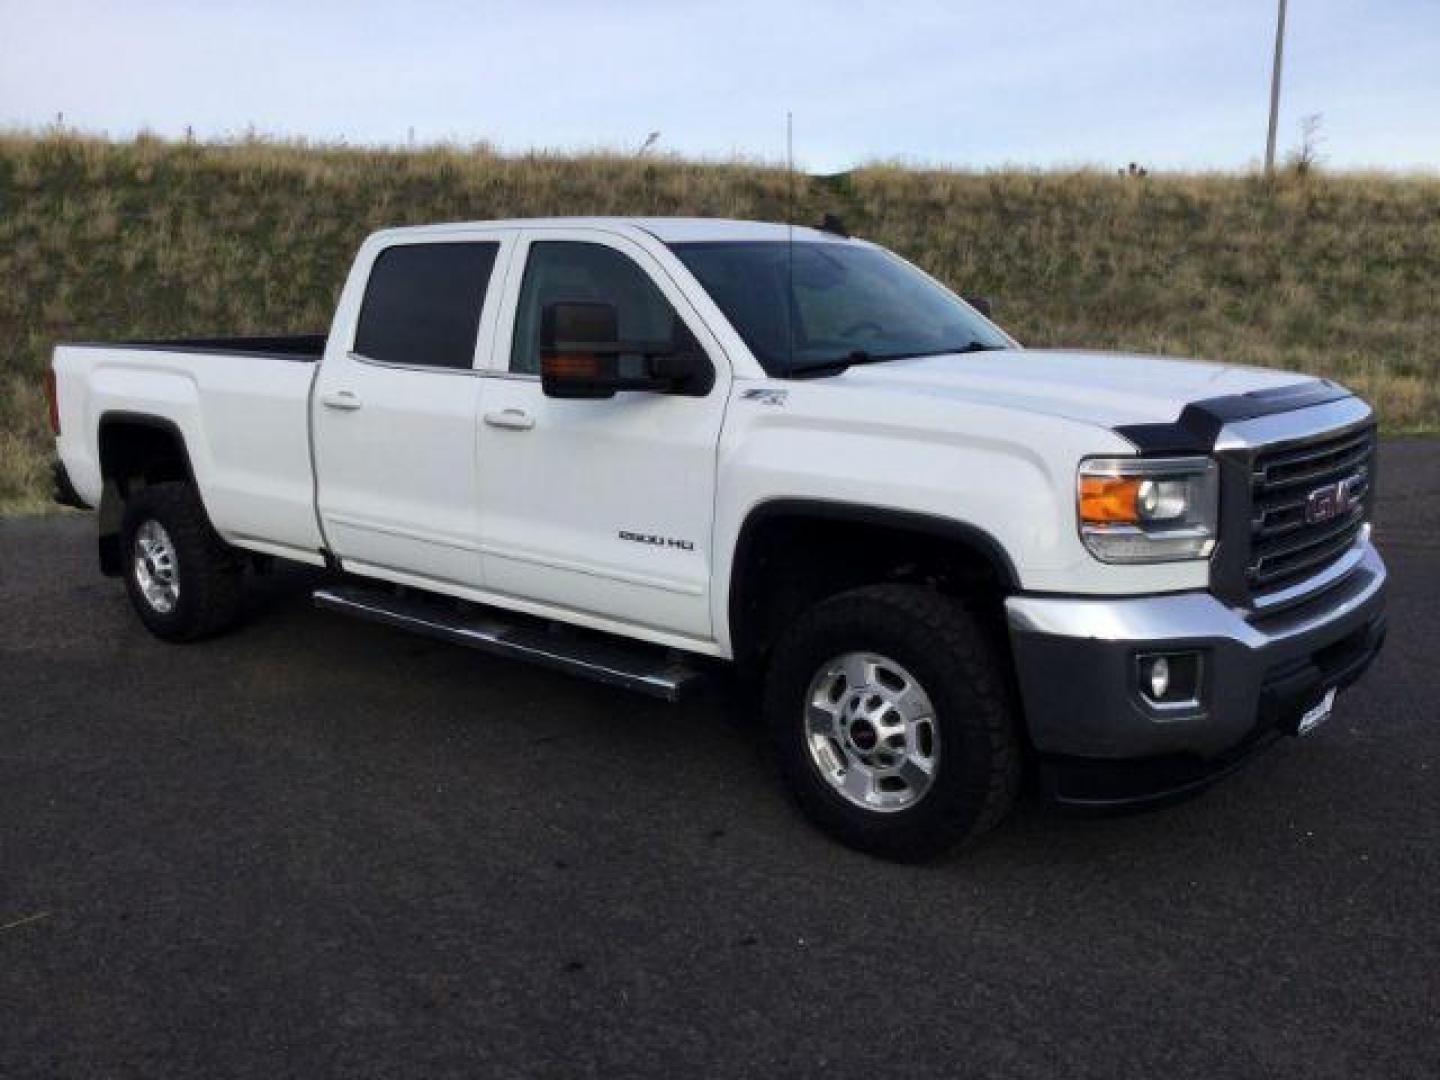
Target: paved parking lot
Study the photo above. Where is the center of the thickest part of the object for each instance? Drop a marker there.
(320, 847)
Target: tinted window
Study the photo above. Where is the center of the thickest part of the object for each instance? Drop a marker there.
(422, 304)
(566, 270)
(815, 302)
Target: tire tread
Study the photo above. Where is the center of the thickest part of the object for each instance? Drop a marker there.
(211, 576)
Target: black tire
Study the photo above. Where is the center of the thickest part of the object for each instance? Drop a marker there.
(208, 574)
(977, 775)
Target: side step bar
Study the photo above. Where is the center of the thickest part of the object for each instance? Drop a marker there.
(646, 669)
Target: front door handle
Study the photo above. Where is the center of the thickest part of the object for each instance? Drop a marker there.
(514, 419)
(340, 399)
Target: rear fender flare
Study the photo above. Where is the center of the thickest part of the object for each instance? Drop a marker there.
(112, 499)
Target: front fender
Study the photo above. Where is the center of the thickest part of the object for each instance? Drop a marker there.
(1004, 474)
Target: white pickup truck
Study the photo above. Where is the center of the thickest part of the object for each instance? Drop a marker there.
(621, 446)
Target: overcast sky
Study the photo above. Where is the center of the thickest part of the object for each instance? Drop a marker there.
(1167, 83)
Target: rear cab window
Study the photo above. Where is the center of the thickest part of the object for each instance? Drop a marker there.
(423, 302)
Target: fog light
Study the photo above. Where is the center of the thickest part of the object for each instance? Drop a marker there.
(1159, 677)
(1170, 680)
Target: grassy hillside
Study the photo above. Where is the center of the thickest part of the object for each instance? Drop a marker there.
(1329, 274)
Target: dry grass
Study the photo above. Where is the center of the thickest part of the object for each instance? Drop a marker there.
(1328, 274)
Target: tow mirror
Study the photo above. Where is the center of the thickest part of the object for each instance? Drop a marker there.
(980, 303)
(582, 356)
(577, 349)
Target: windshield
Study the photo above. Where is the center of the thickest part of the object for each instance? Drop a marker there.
(810, 306)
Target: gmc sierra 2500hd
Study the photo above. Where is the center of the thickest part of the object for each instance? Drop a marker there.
(944, 556)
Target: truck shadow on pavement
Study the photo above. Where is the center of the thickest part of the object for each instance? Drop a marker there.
(716, 742)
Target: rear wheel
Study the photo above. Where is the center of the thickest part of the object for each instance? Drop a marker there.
(890, 713)
(183, 581)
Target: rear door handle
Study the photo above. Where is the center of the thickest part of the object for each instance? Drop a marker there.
(514, 419)
(340, 399)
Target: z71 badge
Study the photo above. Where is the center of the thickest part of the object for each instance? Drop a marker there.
(657, 541)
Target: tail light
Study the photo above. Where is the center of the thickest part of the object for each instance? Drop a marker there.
(53, 399)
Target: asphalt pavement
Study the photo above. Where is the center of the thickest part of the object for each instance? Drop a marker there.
(318, 847)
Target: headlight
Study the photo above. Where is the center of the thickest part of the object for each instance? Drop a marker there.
(1147, 509)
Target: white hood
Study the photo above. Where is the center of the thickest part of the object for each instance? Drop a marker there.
(1103, 388)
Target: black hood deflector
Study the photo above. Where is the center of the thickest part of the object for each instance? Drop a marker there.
(1199, 423)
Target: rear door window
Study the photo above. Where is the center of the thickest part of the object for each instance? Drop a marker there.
(422, 304)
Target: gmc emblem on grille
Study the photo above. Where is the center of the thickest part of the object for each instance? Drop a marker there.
(1332, 500)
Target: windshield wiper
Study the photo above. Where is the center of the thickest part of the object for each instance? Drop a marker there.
(836, 365)
(968, 347)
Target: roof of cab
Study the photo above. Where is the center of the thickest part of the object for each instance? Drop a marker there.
(669, 230)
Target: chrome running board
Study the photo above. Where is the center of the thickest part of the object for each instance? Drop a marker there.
(646, 669)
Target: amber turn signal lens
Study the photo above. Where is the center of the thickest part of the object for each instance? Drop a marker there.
(571, 366)
(1109, 499)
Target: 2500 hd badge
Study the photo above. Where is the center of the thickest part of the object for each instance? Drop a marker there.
(657, 541)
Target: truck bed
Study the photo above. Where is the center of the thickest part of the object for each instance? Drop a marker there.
(245, 426)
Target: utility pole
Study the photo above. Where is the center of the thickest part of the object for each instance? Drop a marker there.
(1275, 89)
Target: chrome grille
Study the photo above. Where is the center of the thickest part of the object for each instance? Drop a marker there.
(1285, 544)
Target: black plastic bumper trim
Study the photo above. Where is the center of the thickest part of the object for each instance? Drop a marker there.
(1104, 784)
(62, 490)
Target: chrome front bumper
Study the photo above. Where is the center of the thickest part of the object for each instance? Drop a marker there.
(1076, 661)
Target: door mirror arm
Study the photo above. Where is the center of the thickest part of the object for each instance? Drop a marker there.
(684, 370)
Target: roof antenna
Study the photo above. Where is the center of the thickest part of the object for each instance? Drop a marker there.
(790, 238)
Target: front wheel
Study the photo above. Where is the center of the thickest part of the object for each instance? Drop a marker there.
(183, 581)
(891, 717)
